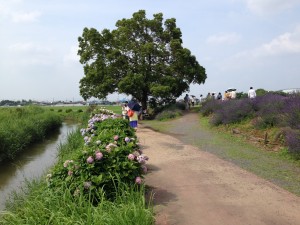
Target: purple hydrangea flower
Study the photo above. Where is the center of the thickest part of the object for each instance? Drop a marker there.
(127, 139)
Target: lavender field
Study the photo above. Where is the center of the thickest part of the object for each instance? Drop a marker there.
(267, 111)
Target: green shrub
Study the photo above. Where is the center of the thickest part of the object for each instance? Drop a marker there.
(68, 110)
(167, 114)
(60, 110)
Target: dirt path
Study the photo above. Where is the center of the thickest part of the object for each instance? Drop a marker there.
(194, 187)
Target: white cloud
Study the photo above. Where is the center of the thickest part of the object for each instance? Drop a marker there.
(287, 43)
(227, 38)
(270, 6)
(29, 47)
(25, 17)
(29, 53)
(11, 10)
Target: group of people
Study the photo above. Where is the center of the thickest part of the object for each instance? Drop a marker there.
(229, 94)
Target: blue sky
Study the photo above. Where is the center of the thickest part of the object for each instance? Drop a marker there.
(241, 43)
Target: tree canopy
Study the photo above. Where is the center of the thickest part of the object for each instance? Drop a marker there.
(141, 57)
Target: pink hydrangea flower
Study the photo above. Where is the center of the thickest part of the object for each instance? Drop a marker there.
(66, 163)
(131, 156)
(141, 159)
(110, 147)
(98, 155)
(70, 173)
(90, 160)
(138, 180)
(116, 137)
(87, 184)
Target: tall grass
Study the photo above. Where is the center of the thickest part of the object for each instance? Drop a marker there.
(20, 127)
(59, 206)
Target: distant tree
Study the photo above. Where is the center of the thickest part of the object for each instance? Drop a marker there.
(240, 95)
(260, 92)
(141, 57)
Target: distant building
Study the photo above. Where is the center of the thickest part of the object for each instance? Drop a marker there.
(291, 90)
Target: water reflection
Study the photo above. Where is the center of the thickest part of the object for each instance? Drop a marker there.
(31, 163)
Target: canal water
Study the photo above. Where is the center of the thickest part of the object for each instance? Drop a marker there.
(32, 163)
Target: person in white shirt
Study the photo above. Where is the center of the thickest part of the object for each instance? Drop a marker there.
(251, 93)
(232, 94)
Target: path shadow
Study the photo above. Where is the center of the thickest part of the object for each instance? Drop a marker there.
(153, 168)
(159, 196)
(174, 146)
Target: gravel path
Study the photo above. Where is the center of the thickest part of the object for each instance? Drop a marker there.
(194, 187)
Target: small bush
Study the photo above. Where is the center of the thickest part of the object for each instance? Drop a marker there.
(209, 107)
(60, 110)
(292, 138)
(167, 114)
(269, 108)
(232, 111)
(292, 111)
(68, 110)
(79, 110)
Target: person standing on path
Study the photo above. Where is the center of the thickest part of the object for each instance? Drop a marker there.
(133, 118)
(187, 102)
(251, 93)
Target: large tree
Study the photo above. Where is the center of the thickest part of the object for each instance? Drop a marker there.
(141, 57)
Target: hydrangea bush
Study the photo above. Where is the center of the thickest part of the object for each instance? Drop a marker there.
(110, 154)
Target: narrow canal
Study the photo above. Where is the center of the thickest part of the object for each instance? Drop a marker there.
(32, 163)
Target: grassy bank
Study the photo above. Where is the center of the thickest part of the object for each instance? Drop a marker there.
(22, 126)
